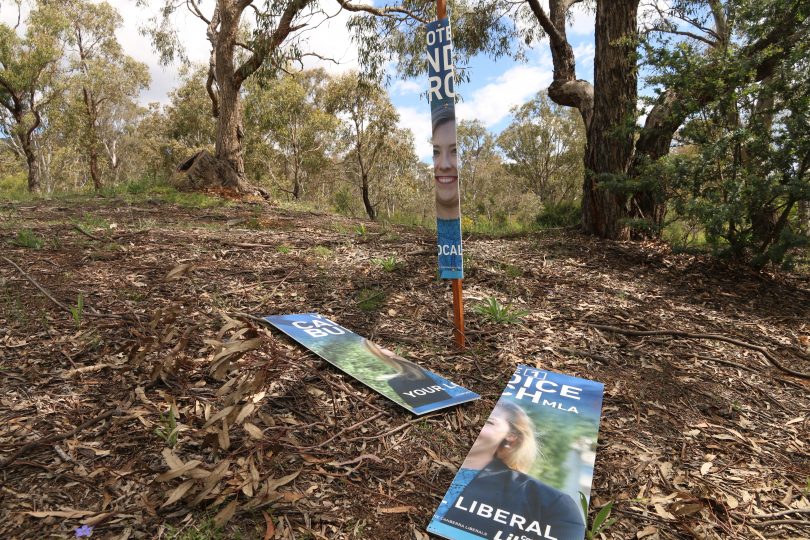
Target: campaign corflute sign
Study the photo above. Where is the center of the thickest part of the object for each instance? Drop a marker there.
(442, 98)
(535, 454)
(402, 381)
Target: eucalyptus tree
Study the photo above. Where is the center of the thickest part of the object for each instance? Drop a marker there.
(273, 39)
(106, 79)
(746, 173)
(29, 73)
(369, 123)
(287, 123)
(544, 146)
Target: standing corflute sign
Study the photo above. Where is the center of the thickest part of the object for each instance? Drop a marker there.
(442, 98)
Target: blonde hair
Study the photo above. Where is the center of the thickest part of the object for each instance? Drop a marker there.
(521, 453)
(397, 363)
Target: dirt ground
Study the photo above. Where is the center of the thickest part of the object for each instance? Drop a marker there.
(143, 400)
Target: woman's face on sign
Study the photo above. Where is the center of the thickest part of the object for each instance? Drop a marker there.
(445, 170)
(495, 431)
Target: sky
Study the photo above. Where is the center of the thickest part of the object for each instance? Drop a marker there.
(493, 89)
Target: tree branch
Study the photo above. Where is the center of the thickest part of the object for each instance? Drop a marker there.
(381, 12)
(270, 42)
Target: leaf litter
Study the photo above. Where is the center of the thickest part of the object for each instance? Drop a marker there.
(168, 404)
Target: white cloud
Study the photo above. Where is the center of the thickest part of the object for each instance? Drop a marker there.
(191, 31)
(325, 34)
(418, 121)
(583, 21)
(407, 87)
(491, 103)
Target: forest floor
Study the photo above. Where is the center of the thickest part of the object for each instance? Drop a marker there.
(146, 343)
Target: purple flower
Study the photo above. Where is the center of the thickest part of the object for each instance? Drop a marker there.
(84, 531)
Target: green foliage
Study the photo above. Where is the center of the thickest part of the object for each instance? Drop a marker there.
(370, 299)
(388, 264)
(360, 229)
(14, 187)
(494, 311)
(28, 239)
(600, 521)
(284, 249)
(342, 201)
(564, 214)
(78, 310)
(743, 165)
(168, 430)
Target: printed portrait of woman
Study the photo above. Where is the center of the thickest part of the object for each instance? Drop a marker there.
(445, 163)
(496, 470)
(408, 378)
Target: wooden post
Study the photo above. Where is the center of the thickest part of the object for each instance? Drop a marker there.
(441, 9)
(458, 314)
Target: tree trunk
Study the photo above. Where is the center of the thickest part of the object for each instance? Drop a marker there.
(92, 136)
(804, 215)
(652, 144)
(33, 167)
(370, 210)
(609, 148)
(94, 172)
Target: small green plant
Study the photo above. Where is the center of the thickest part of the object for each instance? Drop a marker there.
(360, 229)
(206, 530)
(496, 312)
(77, 310)
(28, 239)
(601, 520)
(168, 429)
(283, 249)
(512, 271)
(321, 251)
(370, 299)
(806, 490)
(388, 264)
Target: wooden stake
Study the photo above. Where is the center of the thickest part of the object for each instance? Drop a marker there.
(458, 314)
(441, 9)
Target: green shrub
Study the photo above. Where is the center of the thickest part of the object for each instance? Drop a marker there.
(28, 239)
(564, 214)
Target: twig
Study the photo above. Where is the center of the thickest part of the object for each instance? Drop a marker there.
(343, 431)
(37, 285)
(726, 362)
(54, 300)
(87, 234)
(779, 522)
(716, 337)
(54, 438)
(774, 514)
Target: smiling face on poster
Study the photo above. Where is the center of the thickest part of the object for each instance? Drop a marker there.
(445, 165)
(442, 98)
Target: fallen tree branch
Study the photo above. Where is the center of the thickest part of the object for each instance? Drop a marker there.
(715, 337)
(37, 285)
(54, 438)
